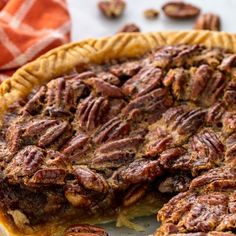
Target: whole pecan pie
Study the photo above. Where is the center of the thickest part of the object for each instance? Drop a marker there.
(113, 128)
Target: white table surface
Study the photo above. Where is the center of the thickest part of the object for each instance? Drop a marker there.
(89, 22)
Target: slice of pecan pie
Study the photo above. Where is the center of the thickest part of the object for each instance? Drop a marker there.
(91, 134)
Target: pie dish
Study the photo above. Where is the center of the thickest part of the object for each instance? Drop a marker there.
(111, 128)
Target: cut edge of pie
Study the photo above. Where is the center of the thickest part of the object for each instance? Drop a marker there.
(61, 60)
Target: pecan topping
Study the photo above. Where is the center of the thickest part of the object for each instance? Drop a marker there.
(113, 129)
(26, 162)
(177, 79)
(45, 132)
(230, 95)
(13, 137)
(126, 143)
(202, 76)
(208, 21)
(158, 140)
(215, 180)
(60, 98)
(36, 103)
(90, 180)
(180, 10)
(129, 28)
(126, 70)
(90, 112)
(230, 155)
(228, 63)
(155, 102)
(197, 212)
(183, 120)
(146, 80)
(229, 122)
(76, 147)
(207, 151)
(52, 134)
(140, 170)
(215, 114)
(112, 160)
(49, 176)
(110, 136)
(207, 85)
(85, 230)
(151, 13)
(103, 87)
(112, 8)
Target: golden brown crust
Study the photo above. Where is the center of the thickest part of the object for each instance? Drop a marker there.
(128, 45)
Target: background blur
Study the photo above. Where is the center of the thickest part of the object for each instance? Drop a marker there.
(89, 22)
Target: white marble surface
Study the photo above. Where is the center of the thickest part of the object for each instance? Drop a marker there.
(88, 22)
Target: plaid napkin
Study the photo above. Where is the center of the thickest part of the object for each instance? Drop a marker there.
(29, 28)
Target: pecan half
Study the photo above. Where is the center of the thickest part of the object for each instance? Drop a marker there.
(208, 21)
(206, 151)
(112, 160)
(215, 114)
(76, 147)
(105, 88)
(127, 143)
(52, 134)
(112, 8)
(151, 13)
(46, 132)
(230, 95)
(158, 140)
(180, 10)
(126, 69)
(230, 154)
(49, 176)
(85, 230)
(141, 170)
(184, 120)
(177, 78)
(90, 112)
(14, 137)
(129, 28)
(113, 129)
(146, 80)
(26, 162)
(153, 103)
(228, 63)
(229, 122)
(36, 103)
(90, 180)
(61, 99)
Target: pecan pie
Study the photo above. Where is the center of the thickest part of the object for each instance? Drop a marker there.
(103, 130)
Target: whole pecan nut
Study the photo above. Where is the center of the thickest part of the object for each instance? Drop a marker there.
(208, 21)
(112, 8)
(180, 10)
(151, 13)
(129, 28)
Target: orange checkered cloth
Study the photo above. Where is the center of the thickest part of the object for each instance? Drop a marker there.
(29, 28)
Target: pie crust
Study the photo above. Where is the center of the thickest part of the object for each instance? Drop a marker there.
(96, 51)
